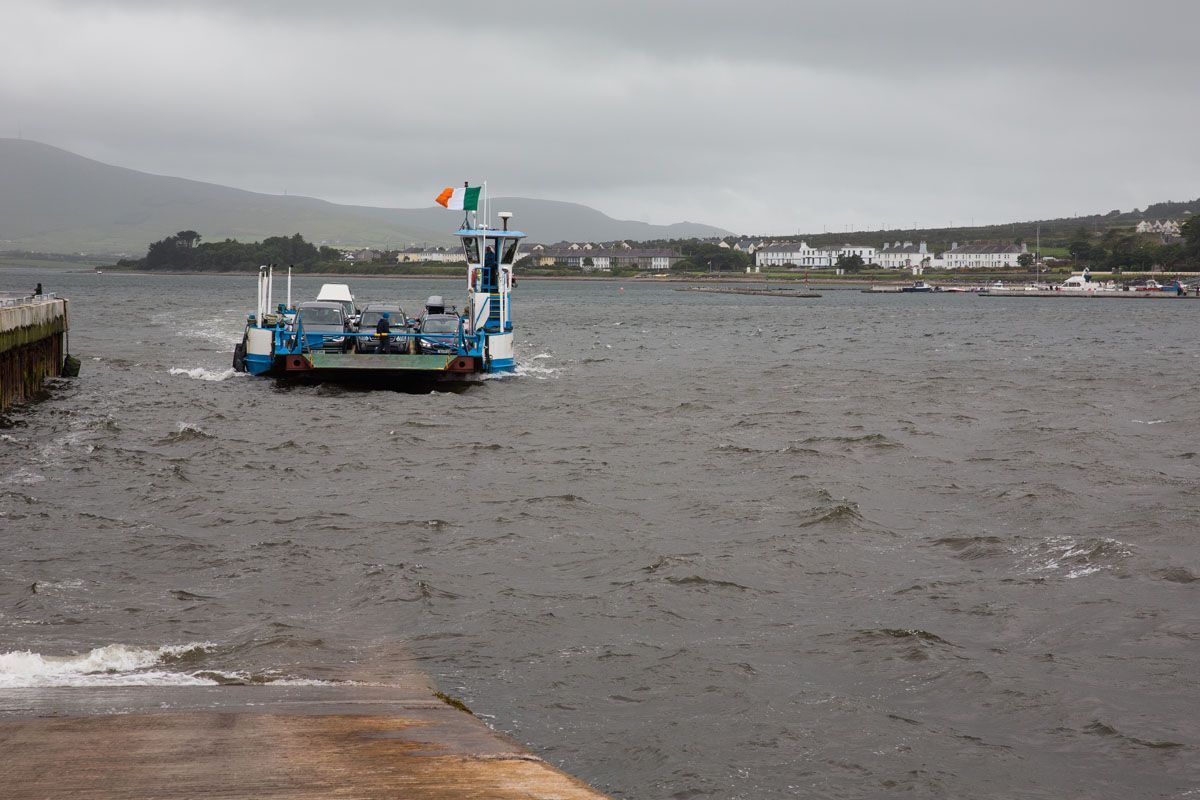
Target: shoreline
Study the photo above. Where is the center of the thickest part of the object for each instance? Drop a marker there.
(831, 280)
(813, 280)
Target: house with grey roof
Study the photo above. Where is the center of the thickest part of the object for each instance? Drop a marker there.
(977, 255)
(411, 255)
(903, 255)
(1164, 227)
(603, 259)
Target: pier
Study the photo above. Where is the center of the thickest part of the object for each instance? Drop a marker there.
(276, 742)
(33, 330)
(1097, 295)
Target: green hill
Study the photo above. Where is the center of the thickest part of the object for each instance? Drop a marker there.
(1056, 234)
(55, 201)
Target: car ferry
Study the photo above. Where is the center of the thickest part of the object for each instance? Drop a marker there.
(279, 343)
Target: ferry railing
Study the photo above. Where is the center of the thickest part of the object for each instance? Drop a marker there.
(292, 337)
(307, 342)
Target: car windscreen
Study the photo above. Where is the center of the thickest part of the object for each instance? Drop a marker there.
(440, 326)
(395, 318)
(321, 316)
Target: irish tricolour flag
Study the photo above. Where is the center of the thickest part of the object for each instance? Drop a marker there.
(465, 198)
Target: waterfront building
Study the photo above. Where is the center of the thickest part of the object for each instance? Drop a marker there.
(591, 258)
(904, 255)
(864, 251)
(784, 254)
(800, 254)
(435, 254)
(992, 255)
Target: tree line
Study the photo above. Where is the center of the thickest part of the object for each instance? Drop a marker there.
(183, 251)
(1124, 249)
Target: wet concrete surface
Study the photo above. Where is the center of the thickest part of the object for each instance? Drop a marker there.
(321, 741)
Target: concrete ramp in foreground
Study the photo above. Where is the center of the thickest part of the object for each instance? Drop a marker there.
(346, 741)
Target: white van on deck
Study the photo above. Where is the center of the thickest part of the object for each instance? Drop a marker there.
(339, 293)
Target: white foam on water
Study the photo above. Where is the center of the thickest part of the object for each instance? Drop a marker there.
(111, 665)
(525, 369)
(205, 374)
(536, 371)
(53, 451)
(1062, 554)
(216, 330)
(1151, 421)
(24, 477)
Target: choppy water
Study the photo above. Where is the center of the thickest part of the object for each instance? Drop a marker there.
(705, 546)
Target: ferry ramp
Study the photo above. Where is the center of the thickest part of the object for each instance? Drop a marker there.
(282, 742)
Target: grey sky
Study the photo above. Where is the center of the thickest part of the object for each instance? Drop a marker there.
(759, 117)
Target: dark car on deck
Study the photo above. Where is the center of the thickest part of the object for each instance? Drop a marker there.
(369, 318)
(443, 333)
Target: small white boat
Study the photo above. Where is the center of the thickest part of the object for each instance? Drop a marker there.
(1082, 283)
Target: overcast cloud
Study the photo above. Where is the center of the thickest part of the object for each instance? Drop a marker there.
(759, 117)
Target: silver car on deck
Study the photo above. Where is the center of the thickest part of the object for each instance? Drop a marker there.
(319, 319)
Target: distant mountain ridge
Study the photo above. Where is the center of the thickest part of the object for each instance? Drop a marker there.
(52, 200)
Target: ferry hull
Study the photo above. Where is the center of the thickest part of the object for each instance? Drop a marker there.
(370, 369)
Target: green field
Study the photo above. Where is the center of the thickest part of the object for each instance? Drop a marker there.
(40, 262)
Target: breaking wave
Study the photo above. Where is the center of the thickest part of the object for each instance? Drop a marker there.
(187, 432)
(124, 665)
(111, 665)
(1075, 558)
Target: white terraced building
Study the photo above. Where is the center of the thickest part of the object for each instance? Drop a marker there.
(601, 259)
(904, 255)
(784, 254)
(800, 254)
(983, 255)
(442, 254)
